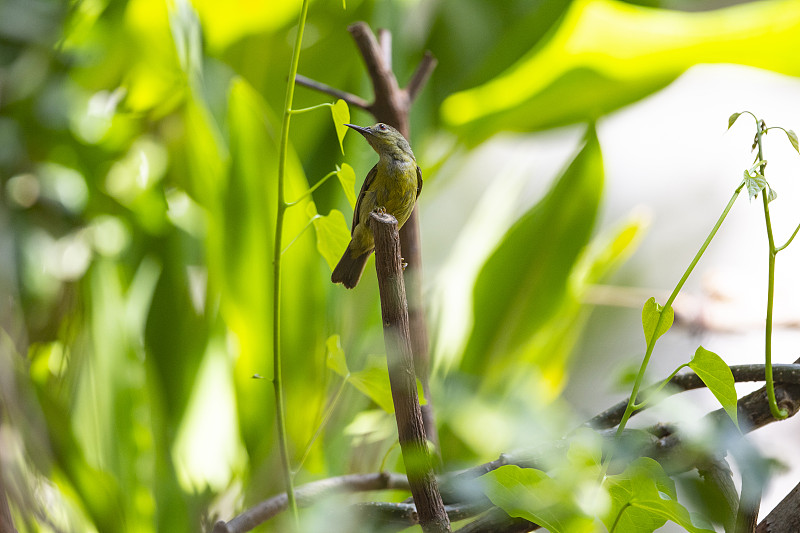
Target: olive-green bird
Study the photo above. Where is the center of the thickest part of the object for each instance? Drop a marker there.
(393, 184)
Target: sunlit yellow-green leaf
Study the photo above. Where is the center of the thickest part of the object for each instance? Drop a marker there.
(347, 177)
(224, 23)
(336, 359)
(333, 236)
(717, 376)
(608, 53)
(653, 324)
(341, 116)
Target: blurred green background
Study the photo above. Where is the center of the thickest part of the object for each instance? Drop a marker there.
(138, 161)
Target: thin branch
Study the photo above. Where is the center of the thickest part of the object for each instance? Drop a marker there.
(421, 75)
(689, 381)
(351, 99)
(310, 493)
(785, 517)
(380, 73)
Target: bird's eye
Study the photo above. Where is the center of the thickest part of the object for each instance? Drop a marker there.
(382, 127)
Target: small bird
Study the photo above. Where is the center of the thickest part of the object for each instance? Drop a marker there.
(393, 185)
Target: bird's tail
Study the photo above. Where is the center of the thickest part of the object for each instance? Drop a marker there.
(350, 268)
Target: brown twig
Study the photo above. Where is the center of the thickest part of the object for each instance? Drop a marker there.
(351, 99)
(308, 494)
(410, 428)
(689, 381)
(420, 76)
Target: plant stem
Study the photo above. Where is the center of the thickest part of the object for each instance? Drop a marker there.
(773, 405)
(661, 385)
(651, 342)
(307, 109)
(276, 294)
(787, 243)
(314, 188)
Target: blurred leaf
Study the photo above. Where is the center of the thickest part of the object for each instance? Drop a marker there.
(732, 119)
(651, 314)
(347, 177)
(643, 499)
(336, 359)
(224, 25)
(524, 282)
(608, 251)
(373, 382)
(718, 377)
(531, 494)
(607, 53)
(341, 116)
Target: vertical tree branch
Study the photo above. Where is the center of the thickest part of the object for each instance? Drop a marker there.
(392, 105)
(410, 428)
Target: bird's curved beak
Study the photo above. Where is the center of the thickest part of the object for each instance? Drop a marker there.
(360, 129)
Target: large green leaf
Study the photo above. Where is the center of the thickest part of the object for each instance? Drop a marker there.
(717, 376)
(643, 499)
(525, 280)
(608, 53)
(533, 495)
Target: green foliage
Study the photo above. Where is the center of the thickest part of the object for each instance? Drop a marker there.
(347, 178)
(604, 54)
(341, 116)
(656, 320)
(139, 149)
(524, 282)
(531, 494)
(718, 377)
(643, 498)
(332, 234)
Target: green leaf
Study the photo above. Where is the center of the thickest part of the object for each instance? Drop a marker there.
(332, 236)
(347, 178)
(771, 194)
(531, 494)
(341, 116)
(651, 314)
(525, 282)
(643, 498)
(604, 54)
(755, 184)
(373, 381)
(732, 119)
(336, 359)
(793, 139)
(718, 378)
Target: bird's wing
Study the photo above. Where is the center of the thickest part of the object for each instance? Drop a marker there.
(419, 181)
(364, 188)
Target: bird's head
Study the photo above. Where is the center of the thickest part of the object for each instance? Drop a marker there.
(385, 140)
